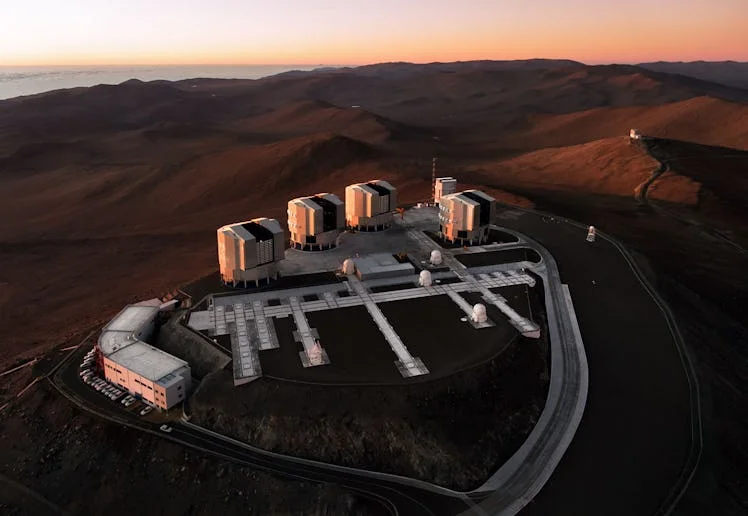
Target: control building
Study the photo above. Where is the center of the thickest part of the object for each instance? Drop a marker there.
(250, 251)
(128, 361)
(444, 186)
(315, 222)
(465, 217)
(369, 206)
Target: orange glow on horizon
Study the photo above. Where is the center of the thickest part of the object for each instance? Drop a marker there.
(365, 33)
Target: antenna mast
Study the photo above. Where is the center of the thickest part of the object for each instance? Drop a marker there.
(433, 180)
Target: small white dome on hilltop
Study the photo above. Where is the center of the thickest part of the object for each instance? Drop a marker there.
(436, 257)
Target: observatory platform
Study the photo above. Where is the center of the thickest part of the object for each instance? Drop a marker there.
(284, 329)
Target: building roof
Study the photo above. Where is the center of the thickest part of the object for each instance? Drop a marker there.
(118, 333)
(329, 197)
(147, 361)
(131, 318)
(382, 187)
(308, 202)
(478, 193)
(460, 198)
(375, 186)
(256, 229)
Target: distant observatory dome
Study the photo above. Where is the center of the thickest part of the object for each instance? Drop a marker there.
(479, 313)
(591, 233)
(348, 267)
(634, 134)
(424, 279)
(436, 257)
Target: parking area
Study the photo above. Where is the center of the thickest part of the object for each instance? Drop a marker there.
(94, 384)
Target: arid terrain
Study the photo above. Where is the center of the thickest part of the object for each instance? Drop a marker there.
(113, 193)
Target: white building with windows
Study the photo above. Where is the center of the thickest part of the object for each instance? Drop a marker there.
(315, 222)
(369, 206)
(128, 361)
(465, 217)
(250, 251)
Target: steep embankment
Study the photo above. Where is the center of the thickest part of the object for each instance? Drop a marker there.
(608, 167)
(715, 177)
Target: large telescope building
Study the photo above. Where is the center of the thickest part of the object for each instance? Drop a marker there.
(444, 186)
(315, 222)
(369, 206)
(466, 216)
(250, 251)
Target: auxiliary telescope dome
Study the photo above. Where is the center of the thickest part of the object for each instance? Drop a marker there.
(424, 279)
(348, 267)
(479, 313)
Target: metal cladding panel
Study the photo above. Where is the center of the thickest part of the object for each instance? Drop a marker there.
(358, 202)
(279, 247)
(249, 254)
(340, 216)
(472, 215)
(369, 203)
(300, 219)
(228, 253)
(350, 202)
(317, 222)
(264, 252)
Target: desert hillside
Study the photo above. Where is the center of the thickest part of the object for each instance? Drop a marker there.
(125, 185)
(705, 120)
(609, 167)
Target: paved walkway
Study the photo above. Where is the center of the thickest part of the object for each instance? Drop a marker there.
(407, 364)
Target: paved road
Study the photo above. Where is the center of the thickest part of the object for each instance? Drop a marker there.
(635, 438)
(398, 499)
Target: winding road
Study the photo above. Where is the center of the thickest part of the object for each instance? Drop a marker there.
(641, 193)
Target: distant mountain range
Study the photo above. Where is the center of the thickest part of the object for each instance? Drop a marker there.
(728, 73)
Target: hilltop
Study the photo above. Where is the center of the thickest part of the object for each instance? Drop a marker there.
(114, 193)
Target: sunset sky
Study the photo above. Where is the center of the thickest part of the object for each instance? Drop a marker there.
(96, 32)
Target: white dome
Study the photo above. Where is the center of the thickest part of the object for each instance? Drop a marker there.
(479, 313)
(424, 279)
(436, 257)
(348, 267)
